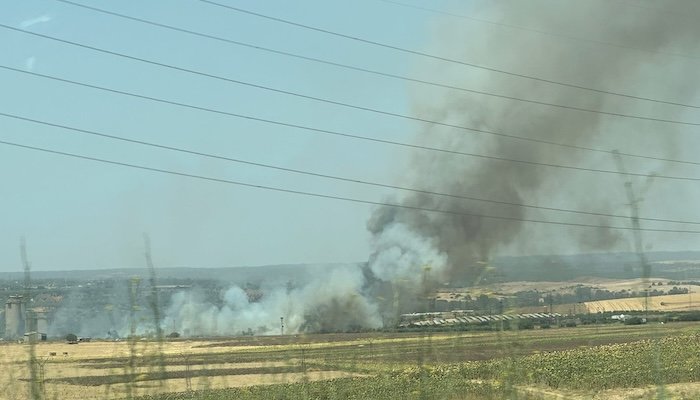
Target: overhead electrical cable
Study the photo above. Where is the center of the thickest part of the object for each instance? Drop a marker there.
(337, 103)
(333, 197)
(533, 30)
(375, 72)
(347, 135)
(73, 129)
(446, 59)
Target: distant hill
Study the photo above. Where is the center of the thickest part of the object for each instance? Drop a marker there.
(672, 265)
(241, 275)
(683, 265)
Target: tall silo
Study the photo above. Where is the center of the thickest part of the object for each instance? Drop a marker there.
(42, 323)
(15, 310)
(36, 320)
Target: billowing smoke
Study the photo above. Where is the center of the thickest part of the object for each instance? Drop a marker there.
(468, 241)
(342, 298)
(334, 301)
(414, 250)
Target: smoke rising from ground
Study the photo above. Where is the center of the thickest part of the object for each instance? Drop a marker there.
(466, 240)
(333, 302)
(413, 250)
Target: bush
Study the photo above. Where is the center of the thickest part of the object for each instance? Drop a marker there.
(690, 316)
(71, 338)
(568, 323)
(526, 324)
(635, 321)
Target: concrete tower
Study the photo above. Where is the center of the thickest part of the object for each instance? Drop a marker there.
(15, 311)
(36, 320)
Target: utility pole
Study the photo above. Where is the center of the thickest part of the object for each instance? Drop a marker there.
(281, 325)
(426, 289)
(634, 201)
(35, 367)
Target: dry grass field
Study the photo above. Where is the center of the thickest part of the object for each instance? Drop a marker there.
(510, 288)
(591, 362)
(102, 370)
(673, 302)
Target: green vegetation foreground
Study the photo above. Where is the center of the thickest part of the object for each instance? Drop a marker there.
(523, 365)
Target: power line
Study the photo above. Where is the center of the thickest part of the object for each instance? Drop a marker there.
(441, 58)
(328, 101)
(347, 135)
(326, 176)
(332, 197)
(374, 72)
(538, 31)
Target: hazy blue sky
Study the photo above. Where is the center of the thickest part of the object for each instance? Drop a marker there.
(79, 214)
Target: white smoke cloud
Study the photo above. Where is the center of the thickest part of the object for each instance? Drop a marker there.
(332, 301)
(340, 299)
(402, 255)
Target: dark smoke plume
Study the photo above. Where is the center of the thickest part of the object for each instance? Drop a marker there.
(469, 241)
(412, 251)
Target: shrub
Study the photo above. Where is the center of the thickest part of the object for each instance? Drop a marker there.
(635, 321)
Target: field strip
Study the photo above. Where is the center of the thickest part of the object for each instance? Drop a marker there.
(686, 390)
(671, 302)
(119, 390)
